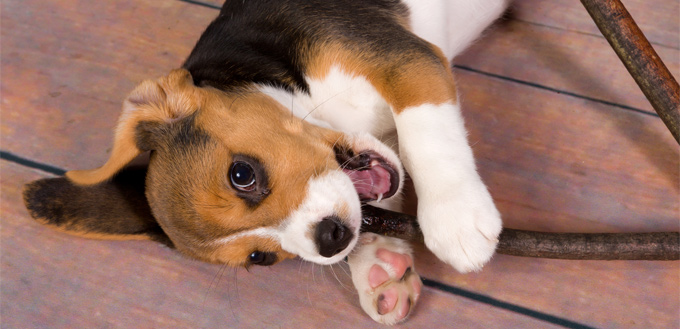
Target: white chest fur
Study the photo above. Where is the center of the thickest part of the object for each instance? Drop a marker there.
(340, 101)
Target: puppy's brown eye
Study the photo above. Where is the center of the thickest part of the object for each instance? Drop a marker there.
(242, 176)
(262, 258)
(248, 179)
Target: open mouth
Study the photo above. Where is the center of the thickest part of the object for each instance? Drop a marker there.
(373, 176)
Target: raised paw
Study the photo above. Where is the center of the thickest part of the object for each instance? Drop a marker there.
(463, 228)
(385, 278)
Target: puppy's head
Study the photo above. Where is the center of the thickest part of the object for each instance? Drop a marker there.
(232, 178)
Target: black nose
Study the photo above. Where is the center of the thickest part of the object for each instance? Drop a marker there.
(332, 236)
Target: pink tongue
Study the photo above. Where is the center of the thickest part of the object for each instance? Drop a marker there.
(370, 183)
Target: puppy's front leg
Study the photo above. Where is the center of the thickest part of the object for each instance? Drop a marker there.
(458, 218)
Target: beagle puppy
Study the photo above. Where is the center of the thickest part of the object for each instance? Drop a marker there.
(279, 126)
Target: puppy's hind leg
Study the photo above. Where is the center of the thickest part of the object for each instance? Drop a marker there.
(385, 278)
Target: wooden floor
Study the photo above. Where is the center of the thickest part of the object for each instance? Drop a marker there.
(563, 138)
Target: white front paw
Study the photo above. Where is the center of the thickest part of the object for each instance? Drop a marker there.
(462, 226)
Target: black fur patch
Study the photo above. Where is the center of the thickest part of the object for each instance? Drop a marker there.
(115, 208)
(182, 134)
(246, 44)
(268, 41)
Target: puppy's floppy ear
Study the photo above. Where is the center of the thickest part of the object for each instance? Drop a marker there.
(100, 204)
(158, 101)
(116, 209)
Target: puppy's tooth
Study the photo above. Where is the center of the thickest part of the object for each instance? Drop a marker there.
(380, 196)
(375, 163)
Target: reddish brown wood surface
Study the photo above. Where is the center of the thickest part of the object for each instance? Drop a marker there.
(553, 161)
(657, 20)
(568, 169)
(639, 58)
(562, 60)
(77, 60)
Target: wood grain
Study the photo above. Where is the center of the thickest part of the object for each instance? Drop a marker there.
(659, 20)
(553, 162)
(562, 60)
(68, 62)
(582, 291)
(556, 163)
(640, 59)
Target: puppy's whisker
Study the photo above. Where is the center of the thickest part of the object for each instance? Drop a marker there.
(226, 206)
(235, 284)
(239, 96)
(313, 273)
(361, 168)
(213, 284)
(345, 267)
(324, 102)
(335, 143)
(344, 286)
(309, 296)
(348, 161)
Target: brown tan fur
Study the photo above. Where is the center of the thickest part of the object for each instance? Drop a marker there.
(409, 79)
(236, 251)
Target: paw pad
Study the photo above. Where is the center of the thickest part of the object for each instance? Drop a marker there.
(384, 276)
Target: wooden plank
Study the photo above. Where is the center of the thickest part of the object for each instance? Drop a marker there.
(560, 163)
(601, 294)
(658, 20)
(553, 162)
(639, 58)
(55, 280)
(72, 62)
(563, 60)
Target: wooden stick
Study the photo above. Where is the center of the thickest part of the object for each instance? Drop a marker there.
(643, 63)
(601, 246)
